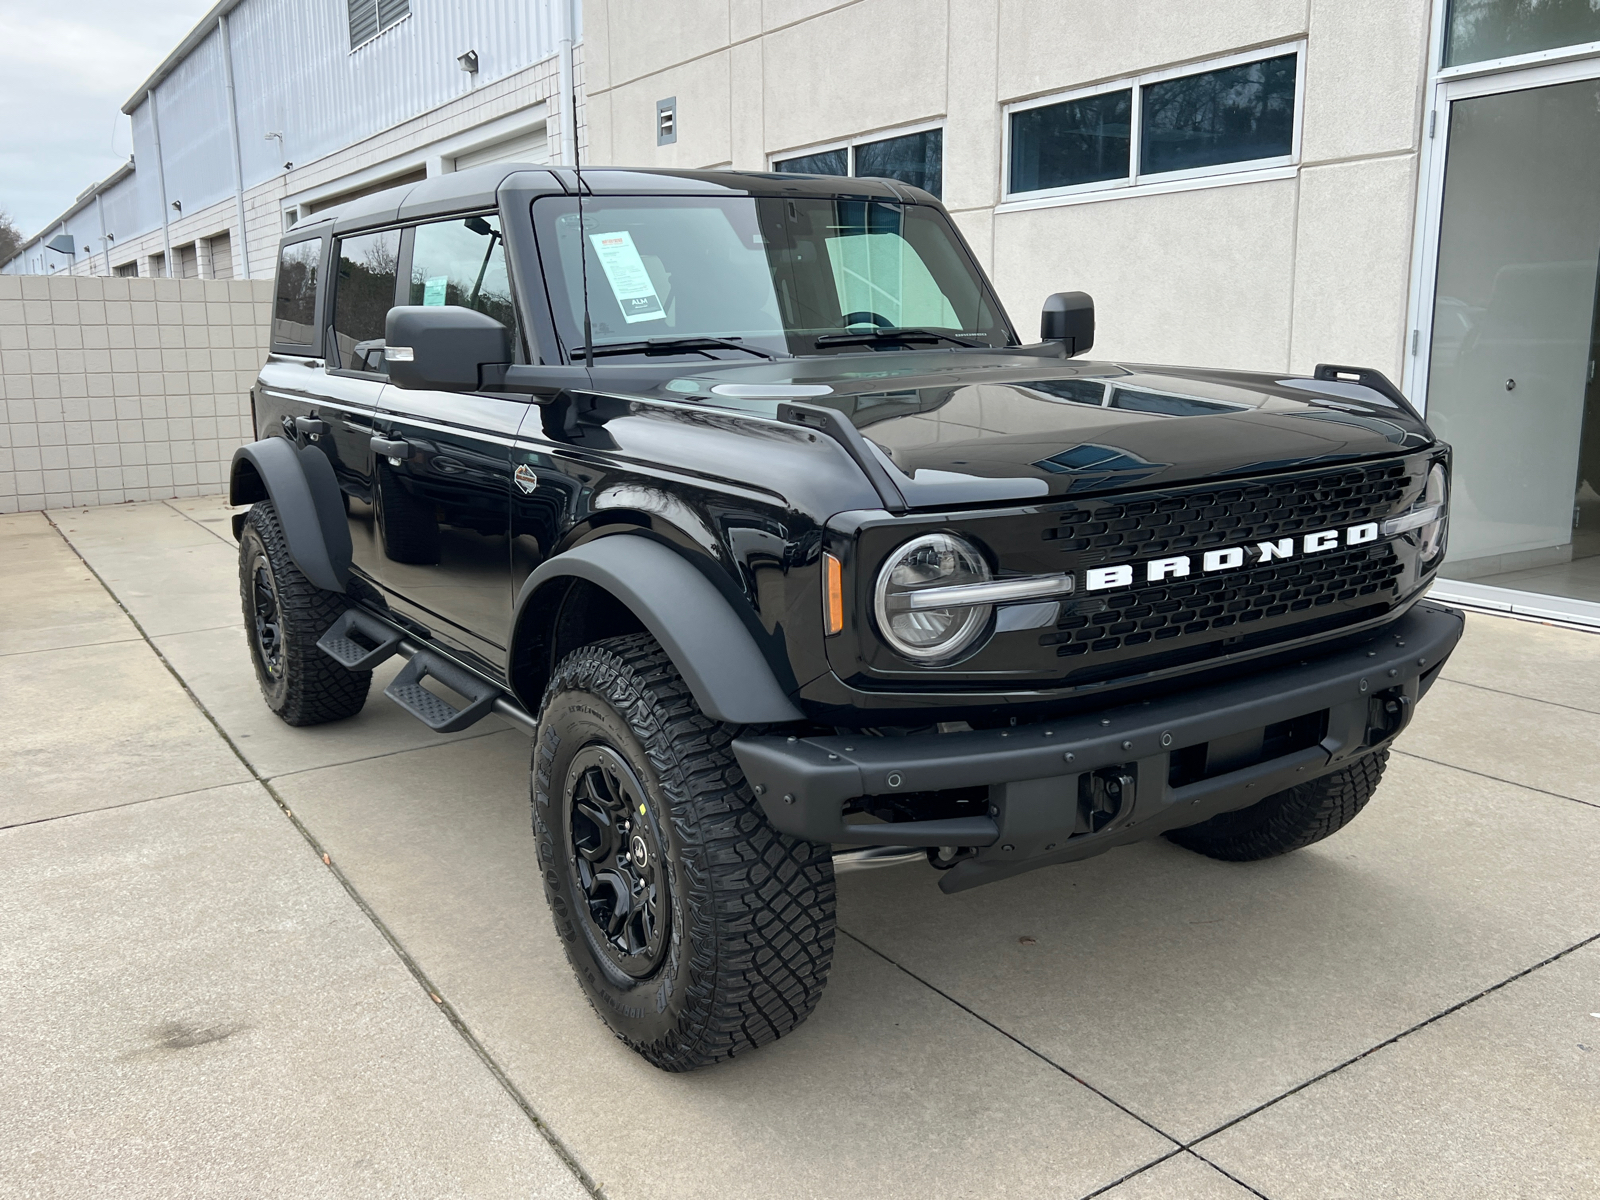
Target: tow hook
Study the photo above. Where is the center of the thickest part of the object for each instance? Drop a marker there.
(1103, 794)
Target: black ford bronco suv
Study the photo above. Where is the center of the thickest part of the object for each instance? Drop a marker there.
(742, 494)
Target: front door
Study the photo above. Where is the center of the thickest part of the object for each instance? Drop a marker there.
(443, 460)
(1512, 364)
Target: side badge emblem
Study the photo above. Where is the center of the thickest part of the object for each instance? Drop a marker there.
(527, 481)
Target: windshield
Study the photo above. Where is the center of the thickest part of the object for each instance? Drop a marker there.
(760, 275)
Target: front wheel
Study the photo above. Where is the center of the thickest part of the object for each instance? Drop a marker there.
(696, 930)
(1290, 819)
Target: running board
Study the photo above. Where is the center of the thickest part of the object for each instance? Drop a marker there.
(437, 714)
(355, 655)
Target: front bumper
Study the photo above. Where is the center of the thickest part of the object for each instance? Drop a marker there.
(1358, 699)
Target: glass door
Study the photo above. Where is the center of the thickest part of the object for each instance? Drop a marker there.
(1511, 375)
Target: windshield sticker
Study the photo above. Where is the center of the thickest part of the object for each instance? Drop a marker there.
(625, 272)
(433, 291)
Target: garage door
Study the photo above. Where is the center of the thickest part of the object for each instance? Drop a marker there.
(525, 147)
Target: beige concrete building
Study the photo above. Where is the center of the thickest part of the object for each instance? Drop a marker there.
(1246, 183)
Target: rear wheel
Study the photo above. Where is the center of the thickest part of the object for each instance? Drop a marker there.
(696, 930)
(284, 615)
(1289, 819)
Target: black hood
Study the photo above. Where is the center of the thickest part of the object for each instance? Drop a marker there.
(971, 426)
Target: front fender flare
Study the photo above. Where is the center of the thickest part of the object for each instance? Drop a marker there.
(697, 627)
(300, 482)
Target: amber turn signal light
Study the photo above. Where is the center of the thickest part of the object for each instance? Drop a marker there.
(832, 594)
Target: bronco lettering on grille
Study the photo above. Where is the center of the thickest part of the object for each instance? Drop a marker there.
(1228, 558)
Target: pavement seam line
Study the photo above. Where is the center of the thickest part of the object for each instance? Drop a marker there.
(1182, 1150)
(1483, 775)
(417, 973)
(73, 646)
(202, 524)
(1387, 1042)
(1519, 696)
(86, 812)
(350, 762)
(1040, 1055)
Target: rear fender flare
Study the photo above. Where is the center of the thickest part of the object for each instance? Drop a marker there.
(712, 648)
(300, 482)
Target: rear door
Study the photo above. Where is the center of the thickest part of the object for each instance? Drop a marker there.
(364, 278)
(442, 469)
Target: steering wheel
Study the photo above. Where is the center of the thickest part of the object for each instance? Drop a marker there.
(869, 318)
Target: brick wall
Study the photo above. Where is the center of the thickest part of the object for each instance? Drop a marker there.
(124, 389)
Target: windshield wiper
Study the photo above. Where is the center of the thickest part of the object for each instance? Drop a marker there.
(668, 345)
(867, 337)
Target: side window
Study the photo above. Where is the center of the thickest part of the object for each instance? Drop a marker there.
(294, 306)
(363, 293)
(463, 263)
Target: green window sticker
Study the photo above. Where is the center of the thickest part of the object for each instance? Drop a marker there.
(625, 272)
(434, 290)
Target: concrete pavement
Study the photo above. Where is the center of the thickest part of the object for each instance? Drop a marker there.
(204, 1006)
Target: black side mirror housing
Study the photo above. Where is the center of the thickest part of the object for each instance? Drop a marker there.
(445, 348)
(1068, 317)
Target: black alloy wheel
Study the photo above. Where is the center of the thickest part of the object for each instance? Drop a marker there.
(263, 614)
(284, 615)
(617, 861)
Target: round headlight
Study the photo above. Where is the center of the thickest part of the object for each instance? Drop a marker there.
(1431, 535)
(920, 628)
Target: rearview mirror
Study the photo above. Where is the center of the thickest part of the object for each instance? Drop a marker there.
(1069, 317)
(445, 347)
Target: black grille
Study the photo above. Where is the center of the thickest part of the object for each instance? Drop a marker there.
(1240, 598)
(1195, 617)
(1151, 526)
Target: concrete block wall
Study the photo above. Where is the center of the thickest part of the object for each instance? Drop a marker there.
(124, 389)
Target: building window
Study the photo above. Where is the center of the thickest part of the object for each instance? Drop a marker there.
(1236, 114)
(916, 158)
(667, 121)
(127, 270)
(1481, 30)
(369, 18)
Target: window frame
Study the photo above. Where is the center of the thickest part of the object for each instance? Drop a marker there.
(331, 305)
(313, 349)
(848, 145)
(1134, 182)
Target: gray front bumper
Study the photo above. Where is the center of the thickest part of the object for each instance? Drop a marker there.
(1368, 691)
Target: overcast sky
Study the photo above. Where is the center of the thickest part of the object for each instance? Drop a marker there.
(66, 66)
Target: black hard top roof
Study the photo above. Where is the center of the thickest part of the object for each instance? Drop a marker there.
(477, 188)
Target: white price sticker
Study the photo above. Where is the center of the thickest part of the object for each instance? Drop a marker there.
(625, 272)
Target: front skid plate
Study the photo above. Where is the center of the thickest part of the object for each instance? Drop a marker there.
(1033, 770)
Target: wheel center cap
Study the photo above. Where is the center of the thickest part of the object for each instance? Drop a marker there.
(639, 851)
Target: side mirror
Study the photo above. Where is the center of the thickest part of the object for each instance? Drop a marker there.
(444, 347)
(1069, 317)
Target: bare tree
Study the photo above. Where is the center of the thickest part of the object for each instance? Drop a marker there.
(10, 237)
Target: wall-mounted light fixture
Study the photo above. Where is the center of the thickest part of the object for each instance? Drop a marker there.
(177, 206)
(468, 62)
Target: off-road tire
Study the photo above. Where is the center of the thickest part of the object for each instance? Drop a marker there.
(751, 910)
(1287, 820)
(305, 687)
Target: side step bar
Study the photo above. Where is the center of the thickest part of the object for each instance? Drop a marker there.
(353, 655)
(359, 641)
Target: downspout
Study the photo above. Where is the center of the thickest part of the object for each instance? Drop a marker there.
(569, 109)
(161, 178)
(105, 242)
(238, 162)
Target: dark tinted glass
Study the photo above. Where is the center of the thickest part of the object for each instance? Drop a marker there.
(829, 162)
(917, 159)
(362, 297)
(1172, 406)
(1485, 29)
(1078, 391)
(1232, 115)
(1079, 141)
(463, 263)
(294, 306)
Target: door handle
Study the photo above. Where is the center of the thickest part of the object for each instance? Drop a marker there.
(310, 426)
(387, 448)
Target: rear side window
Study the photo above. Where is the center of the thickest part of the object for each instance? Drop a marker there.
(363, 293)
(463, 263)
(294, 307)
